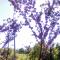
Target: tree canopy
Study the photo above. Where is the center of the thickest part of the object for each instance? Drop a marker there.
(46, 20)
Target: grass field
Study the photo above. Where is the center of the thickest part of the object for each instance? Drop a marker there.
(22, 57)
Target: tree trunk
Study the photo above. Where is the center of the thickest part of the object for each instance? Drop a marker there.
(40, 53)
(14, 49)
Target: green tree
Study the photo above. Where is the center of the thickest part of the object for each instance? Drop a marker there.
(6, 54)
(34, 53)
(51, 55)
(28, 49)
(21, 50)
(58, 55)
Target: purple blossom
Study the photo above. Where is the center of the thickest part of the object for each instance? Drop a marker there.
(11, 28)
(50, 16)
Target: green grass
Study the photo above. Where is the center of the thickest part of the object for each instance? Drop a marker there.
(22, 57)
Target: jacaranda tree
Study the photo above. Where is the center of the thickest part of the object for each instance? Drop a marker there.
(46, 20)
(11, 28)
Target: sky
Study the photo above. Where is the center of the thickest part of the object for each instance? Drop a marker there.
(24, 37)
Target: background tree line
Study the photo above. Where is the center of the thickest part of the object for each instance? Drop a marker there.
(52, 53)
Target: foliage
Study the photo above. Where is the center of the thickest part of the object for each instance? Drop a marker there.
(43, 29)
(51, 56)
(24, 51)
(28, 49)
(11, 27)
(51, 27)
(51, 53)
(58, 55)
(21, 51)
(34, 53)
(7, 54)
(10, 56)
